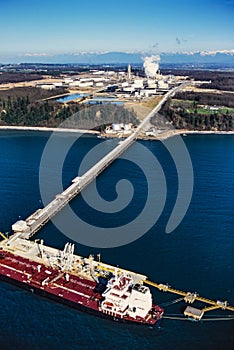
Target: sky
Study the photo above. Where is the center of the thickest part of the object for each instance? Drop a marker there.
(54, 27)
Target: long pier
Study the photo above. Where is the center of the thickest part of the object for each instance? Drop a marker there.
(23, 230)
(27, 228)
(191, 297)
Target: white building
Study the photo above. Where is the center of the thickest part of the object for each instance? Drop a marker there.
(99, 84)
(85, 84)
(74, 83)
(162, 85)
(46, 86)
(124, 84)
(148, 92)
(151, 83)
(58, 84)
(138, 83)
(98, 72)
(68, 80)
(129, 89)
(110, 73)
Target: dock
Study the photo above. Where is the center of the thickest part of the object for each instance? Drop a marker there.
(190, 298)
(27, 228)
(51, 265)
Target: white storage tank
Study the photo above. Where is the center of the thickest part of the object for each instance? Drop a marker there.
(116, 127)
(128, 126)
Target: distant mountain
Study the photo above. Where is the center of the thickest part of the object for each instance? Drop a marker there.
(212, 57)
(199, 58)
(77, 58)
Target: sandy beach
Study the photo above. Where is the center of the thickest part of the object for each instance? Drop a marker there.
(42, 128)
(170, 133)
(160, 136)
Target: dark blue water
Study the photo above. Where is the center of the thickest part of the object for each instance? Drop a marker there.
(197, 256)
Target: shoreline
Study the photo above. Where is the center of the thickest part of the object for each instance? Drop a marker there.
(161, 136)
(171, 133)
(52, 129)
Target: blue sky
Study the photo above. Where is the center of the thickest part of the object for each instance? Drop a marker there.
(125, 25)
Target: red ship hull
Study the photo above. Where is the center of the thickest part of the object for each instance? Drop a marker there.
(76, 292)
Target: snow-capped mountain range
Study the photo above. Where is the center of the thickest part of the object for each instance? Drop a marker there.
(114, 57)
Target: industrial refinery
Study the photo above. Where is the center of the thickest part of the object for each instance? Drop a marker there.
(125, 84)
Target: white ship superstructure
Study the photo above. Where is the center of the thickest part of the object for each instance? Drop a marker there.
(123, 298)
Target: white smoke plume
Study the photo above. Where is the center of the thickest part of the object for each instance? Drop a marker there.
(151, 65)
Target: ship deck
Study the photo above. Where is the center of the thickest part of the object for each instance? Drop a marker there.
(48, 256)
(61, 285)
(76, 289)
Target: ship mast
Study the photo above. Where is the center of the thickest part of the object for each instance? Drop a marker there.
(67, 257)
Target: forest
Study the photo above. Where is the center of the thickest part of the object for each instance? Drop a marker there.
(187, 110)
(208, 98)
(22, 111)
(200, 112)
(16, 77)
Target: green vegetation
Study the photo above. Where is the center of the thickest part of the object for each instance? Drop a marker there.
(28, 110)
(210, 99)
(187, 114)
(20, 111)
(194, 107)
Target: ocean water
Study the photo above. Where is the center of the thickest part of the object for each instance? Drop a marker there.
(197, 256)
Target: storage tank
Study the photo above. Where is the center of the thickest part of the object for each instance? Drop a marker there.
(128, 126)
(116, 127)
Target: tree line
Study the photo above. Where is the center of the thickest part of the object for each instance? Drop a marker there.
(20, 111)
(181, 118)
(211, 99)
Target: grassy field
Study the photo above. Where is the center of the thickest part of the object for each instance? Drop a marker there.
(192, 107)
(152, 102)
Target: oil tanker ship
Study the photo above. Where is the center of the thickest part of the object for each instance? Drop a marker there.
(83, 283)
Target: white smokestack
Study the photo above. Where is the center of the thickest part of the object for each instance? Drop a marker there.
(151, 65)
